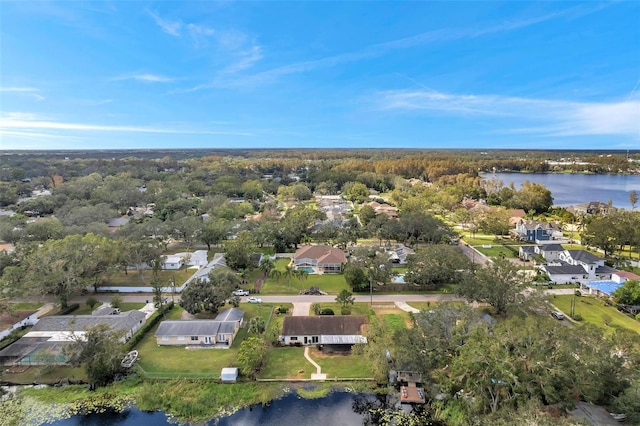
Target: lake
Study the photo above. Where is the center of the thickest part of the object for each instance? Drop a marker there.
(569, 189)
(337, 408)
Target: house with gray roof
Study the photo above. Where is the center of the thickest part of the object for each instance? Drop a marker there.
(218, 332)
(577, 266)
(46, 341)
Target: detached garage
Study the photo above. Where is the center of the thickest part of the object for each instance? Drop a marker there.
(229, 375)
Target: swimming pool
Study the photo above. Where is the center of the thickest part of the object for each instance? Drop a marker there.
(398, 279)
(308, 269)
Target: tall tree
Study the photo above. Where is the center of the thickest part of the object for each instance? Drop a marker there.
(345, 298)
(436, 265)
(251, 356)
(100, 351)
(500, 284)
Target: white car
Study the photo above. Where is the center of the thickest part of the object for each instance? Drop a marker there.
(557, 315)
(254, 300)
(241, 292)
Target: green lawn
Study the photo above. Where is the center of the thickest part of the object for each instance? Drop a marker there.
(177, 361)
(594, 310)
(498, 250)
(132, 277)
(360, 308)
(393, 322)
(342, 366)
(285, 363)
(331, 283)
(38, 374)
(425, 306)
(84, 309)
(26, 306)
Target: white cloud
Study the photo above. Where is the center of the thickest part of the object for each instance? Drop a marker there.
(551, 117)
(146, 77)
(381, 49)
(29, 122)
(170, 27)
(27, 91)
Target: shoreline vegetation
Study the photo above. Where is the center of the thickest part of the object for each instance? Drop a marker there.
(183, 400)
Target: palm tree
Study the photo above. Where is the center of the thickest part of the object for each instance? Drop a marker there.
(301, 274)
(266, 265)
(288, 272)
(276, 274)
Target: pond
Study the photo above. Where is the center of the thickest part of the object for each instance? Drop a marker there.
(337, 408)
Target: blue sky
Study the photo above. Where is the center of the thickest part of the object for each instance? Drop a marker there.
(240, 74)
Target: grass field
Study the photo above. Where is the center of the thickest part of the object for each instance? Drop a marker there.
(285, 363)
(26, 306)
(360, 308)
(393, 322)
(132, 277)
(341, 366)
(180, 362)
(331, 283)
(594, 311)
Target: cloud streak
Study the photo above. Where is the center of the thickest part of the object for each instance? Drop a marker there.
(172, 28)
(381, 49)
(28, 91)
(29, 123)
(551, 117)
(145, 77)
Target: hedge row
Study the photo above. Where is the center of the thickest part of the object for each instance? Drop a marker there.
(155, 319)
(69, 309)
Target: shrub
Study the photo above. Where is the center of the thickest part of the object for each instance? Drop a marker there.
(577, 317)
(638, 317)
(91, 302)
(69, 309)
(151, 322)
(578, 293)
(327, 311)
(116, 301)
(345, 311)
(235, 301)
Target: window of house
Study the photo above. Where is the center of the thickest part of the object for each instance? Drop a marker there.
(165, 337)
(293, 338)
(180, 337)
(194, 337)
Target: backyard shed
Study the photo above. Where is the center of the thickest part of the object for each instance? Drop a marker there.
(229, 375)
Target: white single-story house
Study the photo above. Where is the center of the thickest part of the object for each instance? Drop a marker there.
(220, 331)
(326, 259)
(622, 276)
(176, 261)
(323, 330)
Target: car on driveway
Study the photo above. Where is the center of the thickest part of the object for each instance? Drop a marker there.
(254, 300)
(557, 315)
(241, 292)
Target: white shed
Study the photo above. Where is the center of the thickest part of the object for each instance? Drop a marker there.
(229, 375)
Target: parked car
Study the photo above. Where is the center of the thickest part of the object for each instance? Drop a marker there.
(254, 300)
(557, 315)
(241, 292)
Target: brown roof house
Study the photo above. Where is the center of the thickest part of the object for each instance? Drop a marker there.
(322, 259)
(323, 330)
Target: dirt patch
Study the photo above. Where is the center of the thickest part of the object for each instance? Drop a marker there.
(18, 369)
(257, 286)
